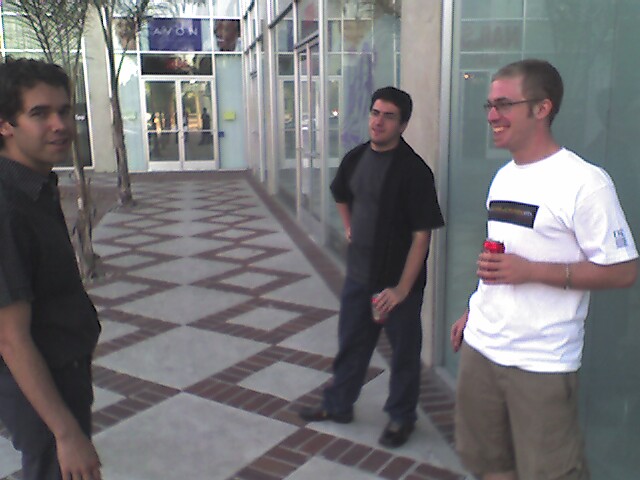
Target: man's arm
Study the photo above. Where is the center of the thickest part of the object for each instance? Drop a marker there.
(345, 215)
(76, 454)
(390, 297)
(457, 331)
(496, 268)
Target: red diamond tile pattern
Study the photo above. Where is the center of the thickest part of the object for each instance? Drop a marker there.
(230, 201)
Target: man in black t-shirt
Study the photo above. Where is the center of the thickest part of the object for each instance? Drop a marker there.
(48, 325)
(386, 198)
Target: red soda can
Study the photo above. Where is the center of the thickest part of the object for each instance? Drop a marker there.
(493, 246)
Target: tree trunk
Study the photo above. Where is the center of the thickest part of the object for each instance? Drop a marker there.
(124, 182)
(83, 227)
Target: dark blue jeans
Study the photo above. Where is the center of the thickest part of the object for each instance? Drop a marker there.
(29, 433)
(357, 338)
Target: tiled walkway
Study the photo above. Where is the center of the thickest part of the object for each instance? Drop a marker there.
(219, 321)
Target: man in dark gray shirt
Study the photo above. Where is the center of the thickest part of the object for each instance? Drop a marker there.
(48, 325)
(366, 185)
(385, 195)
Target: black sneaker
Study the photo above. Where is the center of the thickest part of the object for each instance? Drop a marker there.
(319, 414)
(395, 434)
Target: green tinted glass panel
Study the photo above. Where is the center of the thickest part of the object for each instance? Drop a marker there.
(593, 44)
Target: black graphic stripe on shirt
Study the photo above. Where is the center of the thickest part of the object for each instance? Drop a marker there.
(515, 213)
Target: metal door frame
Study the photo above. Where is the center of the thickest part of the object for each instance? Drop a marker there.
(306, 215)
(181, 164)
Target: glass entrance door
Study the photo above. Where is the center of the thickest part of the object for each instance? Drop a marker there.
(310, 133)
(181, 127)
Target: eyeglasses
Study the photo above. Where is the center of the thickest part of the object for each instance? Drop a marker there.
(385, 115)
(504, 106)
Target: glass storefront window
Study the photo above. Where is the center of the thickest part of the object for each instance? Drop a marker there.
(287, 142)
(8, 7)
(307, 18)
(285, 64)
(182, 8)
(226, 8)
(335, 36)
(18, 35)
(358, 36)
(285, 113)
(261, 17)
(592, 43)
(284, 36)
(280, 5)
(333, 115)
(169, 64)
(227, 33)
(492, 9)
(334, 65)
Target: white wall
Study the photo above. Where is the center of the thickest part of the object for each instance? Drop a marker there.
(99, 108)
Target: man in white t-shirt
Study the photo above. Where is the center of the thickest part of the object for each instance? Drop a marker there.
(564, 233)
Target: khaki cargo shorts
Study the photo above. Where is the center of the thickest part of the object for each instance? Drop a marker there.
(508, 419)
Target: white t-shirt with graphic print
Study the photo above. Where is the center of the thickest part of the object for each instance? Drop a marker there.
(562, 210)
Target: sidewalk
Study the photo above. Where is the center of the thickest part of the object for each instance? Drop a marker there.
(219, 322)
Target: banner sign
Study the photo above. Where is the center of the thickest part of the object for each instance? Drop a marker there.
(175, 34)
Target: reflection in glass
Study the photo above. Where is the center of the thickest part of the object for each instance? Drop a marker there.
(312, 162)
(334, 66)
(287, 142)
(358, 36)
(334, 122)
(8, 7)
(196, 120)
(18, 35)
(284, 36)
(280, 5)
(285, 64)
(183, 8)
(226, 8)
(227, 32)
(335, 36)
(307, 18)
(162, 129)
(170, 64)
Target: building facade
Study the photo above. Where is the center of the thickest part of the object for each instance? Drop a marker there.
(310, 67)
(287, 94)
(180, 86)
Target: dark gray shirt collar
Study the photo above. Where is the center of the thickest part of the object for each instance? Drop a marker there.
(25, 179)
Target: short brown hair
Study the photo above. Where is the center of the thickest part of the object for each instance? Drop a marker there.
(540, 80)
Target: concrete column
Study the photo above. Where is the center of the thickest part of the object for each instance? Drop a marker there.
(420, 70)
(104, 157)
